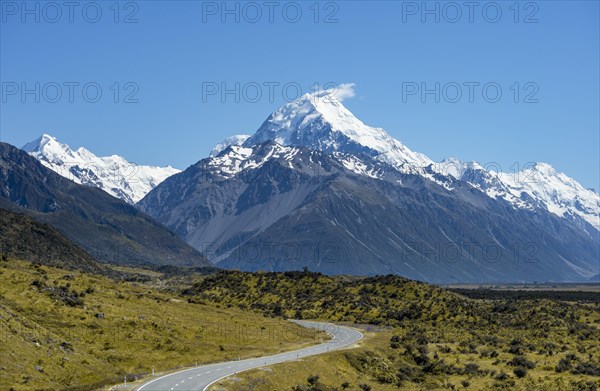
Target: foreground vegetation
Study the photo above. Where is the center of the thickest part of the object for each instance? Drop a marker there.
(576, 296)
(63, 329)
(428, 338)
(66, 329)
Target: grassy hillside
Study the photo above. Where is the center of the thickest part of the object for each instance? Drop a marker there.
(71, 330)
(24, 238)
(432, 338)
(62, 329)
(379, 366)
(307, 295)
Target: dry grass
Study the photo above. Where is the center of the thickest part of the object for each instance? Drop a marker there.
(62, 329)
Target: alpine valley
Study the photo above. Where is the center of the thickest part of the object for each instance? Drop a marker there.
(315, 187)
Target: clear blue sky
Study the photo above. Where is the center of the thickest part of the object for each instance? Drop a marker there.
(175, 47)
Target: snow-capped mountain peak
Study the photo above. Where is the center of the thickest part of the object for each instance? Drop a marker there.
(49, 146)
(303, 111)
(537, 185)
(562, 195)
(544, 168)
(320, 121)
(41, 143)
(450, 166)
(236, 140)
(113, 174)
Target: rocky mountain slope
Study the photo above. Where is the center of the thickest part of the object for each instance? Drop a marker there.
(275, 207)
(22, 237)
(109, 229)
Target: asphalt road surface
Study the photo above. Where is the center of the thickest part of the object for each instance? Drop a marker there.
(200, 378)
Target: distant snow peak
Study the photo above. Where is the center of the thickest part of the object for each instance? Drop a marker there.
(450, 166)
(537, 185)
(455, 167)
(238, 139)
(40, 143)
(113, 174)
(562, 195)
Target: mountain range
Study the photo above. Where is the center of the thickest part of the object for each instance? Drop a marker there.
(113, 174)
(106, 227)
(537, 185)
(319, 121)
(314, 186)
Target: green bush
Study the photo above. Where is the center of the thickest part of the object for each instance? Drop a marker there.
(520, 372)
(563, 365)
(521, 361)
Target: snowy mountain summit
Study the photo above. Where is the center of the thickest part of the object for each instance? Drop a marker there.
(320, 121)
(113, 174)
(316, 187)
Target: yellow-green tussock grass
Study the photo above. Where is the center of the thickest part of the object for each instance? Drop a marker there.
(62, 329)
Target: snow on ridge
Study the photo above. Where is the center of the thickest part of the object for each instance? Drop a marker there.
(561, 194)
(236, 158)
(455, 167)
(237, 139)
(113, 174)
(533, 186)
(356, 165)
(320, 122)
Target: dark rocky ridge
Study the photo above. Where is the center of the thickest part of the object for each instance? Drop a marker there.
(107, 228)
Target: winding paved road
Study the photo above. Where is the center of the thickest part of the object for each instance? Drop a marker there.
(200, 378)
